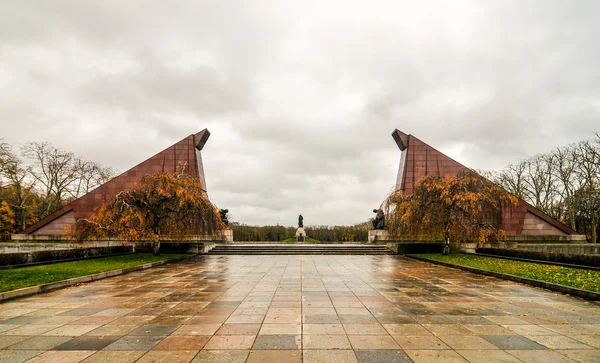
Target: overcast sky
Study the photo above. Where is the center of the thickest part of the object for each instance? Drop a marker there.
(301, 97)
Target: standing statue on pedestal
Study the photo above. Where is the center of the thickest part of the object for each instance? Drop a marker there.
(223, 213)
(379, 221)
(300, 232)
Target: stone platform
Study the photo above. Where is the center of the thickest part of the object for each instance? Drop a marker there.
(300, 309)
(376, 235)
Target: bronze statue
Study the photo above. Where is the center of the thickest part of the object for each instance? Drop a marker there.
(300, 221)
(379, 221)
(223, 213)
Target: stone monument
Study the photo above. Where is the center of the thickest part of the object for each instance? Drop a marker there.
(520, 222)
(223, 214)
(378, 233)
(379, 221)
(184, 156)
(300, 232)
(228, 232)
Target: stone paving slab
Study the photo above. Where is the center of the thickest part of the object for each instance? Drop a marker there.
(300, 309)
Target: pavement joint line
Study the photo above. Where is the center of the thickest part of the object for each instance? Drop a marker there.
(39, 289)
(585, 294)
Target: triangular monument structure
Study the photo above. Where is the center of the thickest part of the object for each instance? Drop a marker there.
(522, 221)
(184, 156)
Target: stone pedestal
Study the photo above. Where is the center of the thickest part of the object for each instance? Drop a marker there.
(300, 235)
(227, 235)
(468, 247)
(376, 235)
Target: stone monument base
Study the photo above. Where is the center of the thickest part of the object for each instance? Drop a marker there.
(227, 235)
(378, 235)
(300, 235)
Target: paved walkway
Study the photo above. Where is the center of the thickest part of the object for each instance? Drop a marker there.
(300, 308)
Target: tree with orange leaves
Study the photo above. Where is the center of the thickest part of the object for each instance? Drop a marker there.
(160, 205)
(7, 220)
(465, 208)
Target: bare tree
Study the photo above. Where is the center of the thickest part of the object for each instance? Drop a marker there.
(34, 190)
(89, 176)
(18, 188)
(539, 184)
(55, 170)
(564, 184)
(565, 172)
(512, 178)
(588, 155)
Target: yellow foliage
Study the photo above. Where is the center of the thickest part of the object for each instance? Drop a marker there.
(7, 220)
(162, 204)
(465, 208)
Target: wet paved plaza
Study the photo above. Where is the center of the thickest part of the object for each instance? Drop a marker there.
(300, 309)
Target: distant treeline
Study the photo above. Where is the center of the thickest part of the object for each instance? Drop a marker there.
(243, 232)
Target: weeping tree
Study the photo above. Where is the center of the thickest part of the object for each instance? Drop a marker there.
(465, 208)
(161, 205)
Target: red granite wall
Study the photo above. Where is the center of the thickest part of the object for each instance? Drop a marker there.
(513, 217)
(422, 160)
(184, 155)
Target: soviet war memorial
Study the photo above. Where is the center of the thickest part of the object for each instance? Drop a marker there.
(299, 182)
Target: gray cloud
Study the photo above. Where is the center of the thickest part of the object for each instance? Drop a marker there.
(300, 97)
(152, 87)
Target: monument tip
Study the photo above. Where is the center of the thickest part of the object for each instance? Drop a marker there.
(401, 139)
(200, 138)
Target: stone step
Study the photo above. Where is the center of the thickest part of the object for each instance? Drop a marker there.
(248, 253)
(295, 249)
(299, 248)
(291, 247)
(299, 251)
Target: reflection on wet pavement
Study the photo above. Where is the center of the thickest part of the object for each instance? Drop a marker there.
(300, 309)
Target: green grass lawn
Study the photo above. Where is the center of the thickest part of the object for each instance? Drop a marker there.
(308, 239)
(17, 278)
(574, 277)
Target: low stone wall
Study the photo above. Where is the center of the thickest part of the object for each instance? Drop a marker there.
(188, 247)
(225, 235)
(13, 254)
(408, 247)
(570, 248)
(55, 255)
(53, 245)
(577, 238)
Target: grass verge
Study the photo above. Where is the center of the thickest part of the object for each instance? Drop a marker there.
(18, 278)
(573, 277)
(293, 239)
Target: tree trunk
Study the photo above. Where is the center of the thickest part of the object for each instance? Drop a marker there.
(594, 227)
(156, 246)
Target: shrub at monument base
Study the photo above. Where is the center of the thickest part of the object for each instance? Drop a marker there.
(465, 208)
(160, 205)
